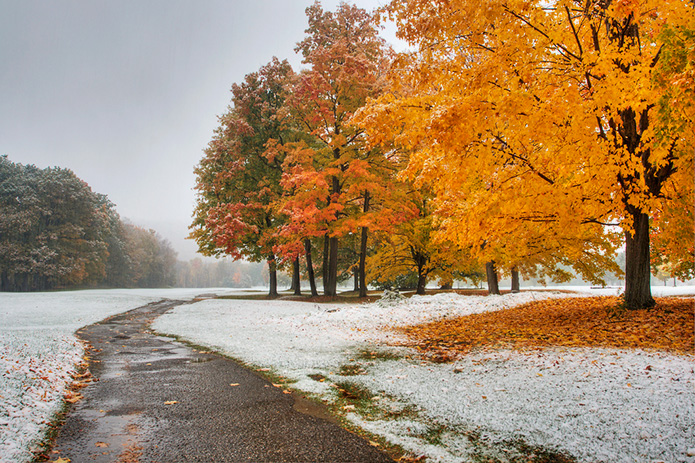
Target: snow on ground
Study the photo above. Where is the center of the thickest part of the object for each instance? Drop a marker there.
(596, 404)
(39, 352)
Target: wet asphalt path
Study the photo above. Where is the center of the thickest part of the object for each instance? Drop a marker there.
(160, 401)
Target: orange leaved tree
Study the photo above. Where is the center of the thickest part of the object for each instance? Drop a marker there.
(547, 121)
(331, 178)
(238, 179)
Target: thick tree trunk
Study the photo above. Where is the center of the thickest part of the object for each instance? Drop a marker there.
(310, 267)
(296, 280)
(638, 292)
(356, 279)
(447, 285)
(273, 276)
(422, 271)
(515, 280)
(363, 250)
(421, 283)
(492, 281)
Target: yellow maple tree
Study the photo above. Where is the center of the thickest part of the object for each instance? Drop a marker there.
(410, 247)
(542, 122)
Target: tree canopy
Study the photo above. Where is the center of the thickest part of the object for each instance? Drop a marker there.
(55, 232)
(540, 124)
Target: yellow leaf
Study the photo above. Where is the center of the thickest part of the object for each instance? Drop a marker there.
(170, 402)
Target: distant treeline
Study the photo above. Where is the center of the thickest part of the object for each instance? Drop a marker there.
(223, 273)
(56, 233)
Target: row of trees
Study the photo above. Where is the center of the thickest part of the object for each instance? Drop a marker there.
(516, 136)
(287, 174)
(55, 232)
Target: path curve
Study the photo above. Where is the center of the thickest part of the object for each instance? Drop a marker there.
(157, 400)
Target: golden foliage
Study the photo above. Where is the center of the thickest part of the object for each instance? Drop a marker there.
(567, 322)
(537, 123)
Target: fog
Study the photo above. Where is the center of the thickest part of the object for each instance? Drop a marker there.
(127, 93)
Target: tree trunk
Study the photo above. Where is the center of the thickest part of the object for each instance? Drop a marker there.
(356, 279)
(421, 283)
(421, 262)
(310, 267)
(324, 268)
(492, 282)
(293, 286)
(638, 291)
(447, 285)
(330, 287)
(515, 280)
(273, 276)
(296, 280)
(363, 250)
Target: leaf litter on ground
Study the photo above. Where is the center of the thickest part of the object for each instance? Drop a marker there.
(570, 322)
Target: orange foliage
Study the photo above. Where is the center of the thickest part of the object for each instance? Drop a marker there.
(567, 322)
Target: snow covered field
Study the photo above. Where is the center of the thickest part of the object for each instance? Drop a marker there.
(39, 352)
(598, 405)
(595, 404)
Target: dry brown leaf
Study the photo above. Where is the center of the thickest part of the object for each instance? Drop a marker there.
(72, 397)
(569, 322)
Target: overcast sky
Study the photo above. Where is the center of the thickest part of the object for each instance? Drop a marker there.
(126, 93)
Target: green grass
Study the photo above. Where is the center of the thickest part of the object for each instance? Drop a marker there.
(42, 449)
(378, 354)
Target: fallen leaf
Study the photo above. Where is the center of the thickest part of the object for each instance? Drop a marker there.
(170, 402)
(101, 444)
(568, 322)
(62, 460)
(234, 384)
(73, 397)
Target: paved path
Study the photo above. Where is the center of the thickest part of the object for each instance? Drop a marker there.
(160, 401)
